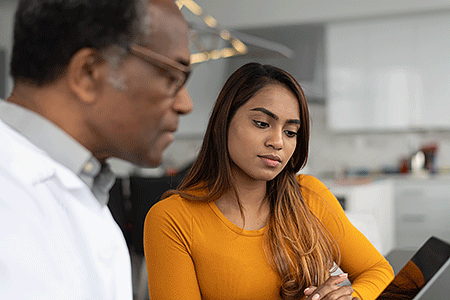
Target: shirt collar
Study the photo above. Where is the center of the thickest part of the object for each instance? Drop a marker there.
(60, 146)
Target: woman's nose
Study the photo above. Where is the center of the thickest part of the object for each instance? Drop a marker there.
(275, 140)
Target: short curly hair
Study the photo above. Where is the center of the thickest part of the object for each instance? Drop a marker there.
(47, 33)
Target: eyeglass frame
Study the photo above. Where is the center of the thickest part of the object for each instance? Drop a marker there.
(161, 61)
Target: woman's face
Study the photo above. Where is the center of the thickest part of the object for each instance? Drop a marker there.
(263, 134)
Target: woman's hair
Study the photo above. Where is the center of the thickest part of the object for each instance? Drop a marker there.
(298, 246)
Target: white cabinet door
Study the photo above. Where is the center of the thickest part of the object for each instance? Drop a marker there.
(433, 60)
(348, 99)
(370, 207)
(389, 74)
(422, 210)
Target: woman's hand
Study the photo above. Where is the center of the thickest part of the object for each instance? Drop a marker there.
(331, 290)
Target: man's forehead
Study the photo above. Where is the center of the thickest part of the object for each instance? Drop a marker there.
(161, 10)
(164, 21)
(168, 32)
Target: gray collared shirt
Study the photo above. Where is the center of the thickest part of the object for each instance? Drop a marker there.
(61, 147)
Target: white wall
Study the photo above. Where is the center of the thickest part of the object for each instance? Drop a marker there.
(254, 13)
(7, 8)
(204, 86)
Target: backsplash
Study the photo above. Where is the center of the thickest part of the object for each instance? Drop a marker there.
(330, 153)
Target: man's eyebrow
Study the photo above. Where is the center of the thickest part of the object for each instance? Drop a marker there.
(274, 116)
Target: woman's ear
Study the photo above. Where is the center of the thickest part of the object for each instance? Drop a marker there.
(85, 74)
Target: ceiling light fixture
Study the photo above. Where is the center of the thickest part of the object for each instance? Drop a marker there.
(205, 53)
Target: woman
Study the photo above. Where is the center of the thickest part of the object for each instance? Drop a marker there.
(242, 225)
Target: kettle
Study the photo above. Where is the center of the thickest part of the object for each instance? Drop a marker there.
(418, 163)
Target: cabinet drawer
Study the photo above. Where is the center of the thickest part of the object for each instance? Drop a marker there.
(431, 219)
(411, 239)
(422, 210)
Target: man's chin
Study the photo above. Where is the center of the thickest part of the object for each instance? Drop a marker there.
(154, 156)
(144, 159)
(151, 161)
(151, 157)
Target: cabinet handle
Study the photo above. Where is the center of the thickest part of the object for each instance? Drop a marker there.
(416, 218)
(412, 193)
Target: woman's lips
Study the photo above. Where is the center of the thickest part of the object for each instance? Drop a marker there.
(270, 161)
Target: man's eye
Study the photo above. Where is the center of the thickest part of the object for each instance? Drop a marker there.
(260, 124)
(173, 79)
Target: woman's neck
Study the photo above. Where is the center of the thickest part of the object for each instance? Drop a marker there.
(254, 204)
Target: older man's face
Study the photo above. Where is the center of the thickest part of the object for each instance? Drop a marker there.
(138, 123)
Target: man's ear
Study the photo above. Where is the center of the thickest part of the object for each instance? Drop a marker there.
(85, 74)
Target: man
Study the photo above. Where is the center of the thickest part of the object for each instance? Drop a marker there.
(93, 80)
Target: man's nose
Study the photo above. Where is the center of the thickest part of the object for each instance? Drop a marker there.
(183, 103)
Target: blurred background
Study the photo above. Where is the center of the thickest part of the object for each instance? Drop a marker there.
(376, 74)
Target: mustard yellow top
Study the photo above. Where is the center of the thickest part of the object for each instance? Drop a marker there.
(194, 252)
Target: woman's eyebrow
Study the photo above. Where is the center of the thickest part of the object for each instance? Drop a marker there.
(266, 111)
(274, 116)
(294, 121)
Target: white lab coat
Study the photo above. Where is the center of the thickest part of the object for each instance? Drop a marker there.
(56, 240)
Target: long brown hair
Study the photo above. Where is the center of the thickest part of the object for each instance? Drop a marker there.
(297, 245)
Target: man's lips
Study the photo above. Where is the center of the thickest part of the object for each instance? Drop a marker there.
(171, 126)
(171, 129)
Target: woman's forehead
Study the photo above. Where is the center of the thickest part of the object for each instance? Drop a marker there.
(275, 96)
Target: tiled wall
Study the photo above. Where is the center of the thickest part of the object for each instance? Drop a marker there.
(330, 152)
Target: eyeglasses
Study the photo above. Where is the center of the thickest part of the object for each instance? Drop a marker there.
(177, 73)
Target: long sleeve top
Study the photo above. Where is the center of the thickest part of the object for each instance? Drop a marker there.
(194, 252)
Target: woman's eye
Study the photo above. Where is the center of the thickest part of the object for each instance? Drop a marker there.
(291, 133)
(260, 124)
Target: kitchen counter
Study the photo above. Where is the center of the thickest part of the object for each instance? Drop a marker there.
(408, 208)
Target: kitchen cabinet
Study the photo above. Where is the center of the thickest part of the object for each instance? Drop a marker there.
(370, 207)
(422, 209)
(389, 74)
(407, 210)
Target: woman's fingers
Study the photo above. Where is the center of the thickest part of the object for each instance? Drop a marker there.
(330, 289)
(341, 293)
(309, 290)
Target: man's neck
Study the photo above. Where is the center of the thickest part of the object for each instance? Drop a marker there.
(52, 102)
(29, 96)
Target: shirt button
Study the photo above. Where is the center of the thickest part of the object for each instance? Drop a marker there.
(88, 167)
